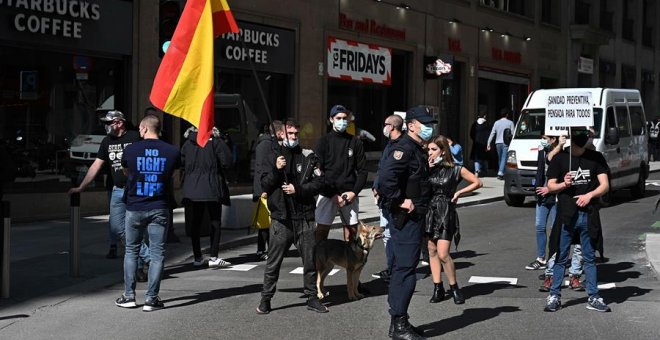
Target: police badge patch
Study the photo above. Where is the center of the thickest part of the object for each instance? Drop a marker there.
(350, 152)
(299, 167)
(397, 155)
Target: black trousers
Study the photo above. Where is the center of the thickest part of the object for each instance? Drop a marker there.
(197, 214)
(282, 235)
(263, 236)
(406, 244)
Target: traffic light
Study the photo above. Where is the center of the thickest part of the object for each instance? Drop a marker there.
(170, 11)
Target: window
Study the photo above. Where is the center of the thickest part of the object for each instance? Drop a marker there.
(637, 123)
(611, 121)
(622, 121)
(550, 11)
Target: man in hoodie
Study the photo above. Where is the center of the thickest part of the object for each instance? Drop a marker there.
(479, 134)
(267, 146)
(342, 160)
(291, 186)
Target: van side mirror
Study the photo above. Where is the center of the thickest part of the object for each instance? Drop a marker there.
(612, 137)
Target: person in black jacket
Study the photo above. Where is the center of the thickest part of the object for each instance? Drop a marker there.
(267, 145)
(291, 186)
(205, 188)
(479, 132)
(342, 160)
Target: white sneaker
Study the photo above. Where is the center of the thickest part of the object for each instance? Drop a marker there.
(198, 262)
(218, 262)
(423, 263)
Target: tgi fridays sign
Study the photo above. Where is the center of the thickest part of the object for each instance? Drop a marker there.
(367, 63)
(567, 110)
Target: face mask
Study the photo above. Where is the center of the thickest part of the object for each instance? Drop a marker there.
(523, 127)
(580, 140)
(545, 144)
(425, 132)
(438, 160)
(108, 129)
(386, 132)
(340, 125)
(291, 143)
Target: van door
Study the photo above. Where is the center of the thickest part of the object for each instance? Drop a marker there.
(627, 173)
(612, 152)
(639, 135)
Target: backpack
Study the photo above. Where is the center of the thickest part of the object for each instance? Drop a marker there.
(508, 136)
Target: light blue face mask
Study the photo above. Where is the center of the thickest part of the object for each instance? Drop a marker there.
(291, 143)
(340, 125)
(426, 132)
(544, 143)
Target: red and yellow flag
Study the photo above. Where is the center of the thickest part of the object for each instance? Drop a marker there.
(183, 86)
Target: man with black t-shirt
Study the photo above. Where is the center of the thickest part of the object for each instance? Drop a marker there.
(110, 153)
(342, 160)
(578, 178)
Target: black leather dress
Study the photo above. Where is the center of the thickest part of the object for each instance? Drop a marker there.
(441, 217)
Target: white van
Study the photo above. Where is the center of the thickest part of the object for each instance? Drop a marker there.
(620, 134)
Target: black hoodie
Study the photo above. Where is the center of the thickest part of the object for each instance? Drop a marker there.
(342, 160)
(203, 179)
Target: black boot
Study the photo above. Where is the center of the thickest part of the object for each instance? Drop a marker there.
(456, 293)
(438, 293)
(402, 330)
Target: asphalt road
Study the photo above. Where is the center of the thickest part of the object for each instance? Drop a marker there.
(498, 241)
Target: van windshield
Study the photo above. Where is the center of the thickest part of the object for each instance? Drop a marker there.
(531, 124)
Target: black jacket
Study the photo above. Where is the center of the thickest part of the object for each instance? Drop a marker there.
(342, 160)
(303, 172)
(264, 152)
(203, 179)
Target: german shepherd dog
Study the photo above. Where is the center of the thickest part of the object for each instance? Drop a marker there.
(351, 255)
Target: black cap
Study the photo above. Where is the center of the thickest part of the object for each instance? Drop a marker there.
(421, 114)
(113, 115)
(337, 109)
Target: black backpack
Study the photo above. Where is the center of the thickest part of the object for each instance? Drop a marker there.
(508, 136)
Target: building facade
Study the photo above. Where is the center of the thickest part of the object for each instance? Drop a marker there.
(59, 63)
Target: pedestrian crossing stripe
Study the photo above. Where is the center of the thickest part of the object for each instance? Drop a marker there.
(299, 270)
(656, 184)
(601, 286)
(489, 279)
(240, 267)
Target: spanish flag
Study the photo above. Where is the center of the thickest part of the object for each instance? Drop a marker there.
(183, 86)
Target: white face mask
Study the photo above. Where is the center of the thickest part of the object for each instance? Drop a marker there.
(340, 125)
(386, 132)
(108, 129)
(438, 160)
(289, 143)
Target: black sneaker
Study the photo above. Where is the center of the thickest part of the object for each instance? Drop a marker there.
(141, 276)
(264, 307)
(536, 265)
(112, 253)
(315, 304)
(125, 302)
(153, 304)
(552, 303)
(383, 274)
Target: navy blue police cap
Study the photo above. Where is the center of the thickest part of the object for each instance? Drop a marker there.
(337, 109)
(421, 114)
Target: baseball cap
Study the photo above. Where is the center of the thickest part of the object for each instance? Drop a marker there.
(113, 115)
(421, 114)
(337, 109)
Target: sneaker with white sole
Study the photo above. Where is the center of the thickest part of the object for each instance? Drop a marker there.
(536, 265)
(552, 303)
(125, 302)
(596, 303)
(218, 262)
(153, 304)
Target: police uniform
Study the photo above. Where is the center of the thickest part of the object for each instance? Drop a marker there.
(404, 175)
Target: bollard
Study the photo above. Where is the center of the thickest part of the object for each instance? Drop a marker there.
(74, 233)
(5, 251)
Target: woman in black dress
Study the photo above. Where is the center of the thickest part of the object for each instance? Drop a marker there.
(442, 220)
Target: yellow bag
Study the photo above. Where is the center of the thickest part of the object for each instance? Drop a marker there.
(261, 215)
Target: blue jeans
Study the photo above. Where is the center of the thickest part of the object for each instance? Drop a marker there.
(576, 262)
(384, 222)
(154, 223)
(502, 151)
(545, 211)
(478, 164)
(117, 222)
(578, 224)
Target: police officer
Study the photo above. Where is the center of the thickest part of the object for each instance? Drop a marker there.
(404, 195)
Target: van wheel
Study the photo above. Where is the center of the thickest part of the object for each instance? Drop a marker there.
(639, 189)
(514, 200)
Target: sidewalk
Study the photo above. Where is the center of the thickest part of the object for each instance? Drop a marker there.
(40, 261)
